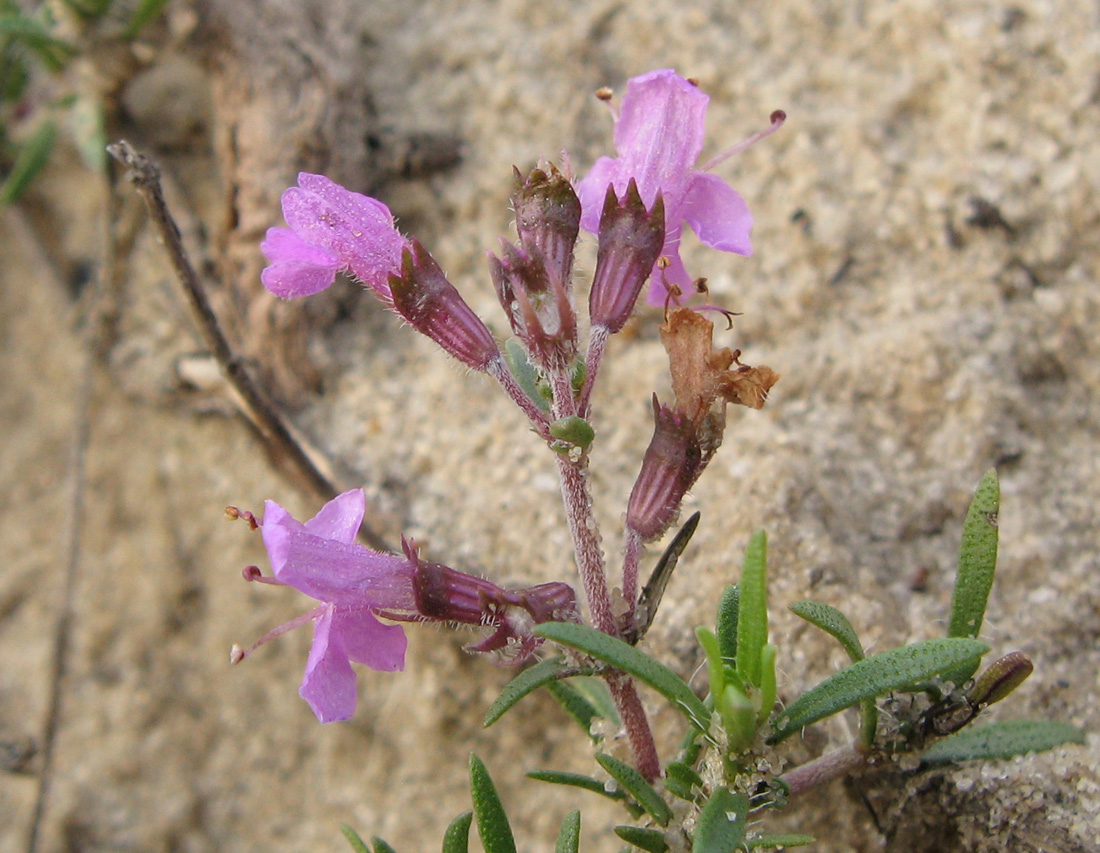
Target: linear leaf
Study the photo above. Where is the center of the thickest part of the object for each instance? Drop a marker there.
(381, 846)
(631, 781)
(1002, 740)
(575, 780)
(752, 615)
(457, 837)
(682, 781)
(357, 843)
(576, 705)
(492, 822)
(30, 160)
(623, 656)
(726, 628)
(836, 624)
(722, 823)
(832, 622)
(780, 839)
(569, 836)
(876, 676)
(528, 681)
(977, 564)
(650, 840)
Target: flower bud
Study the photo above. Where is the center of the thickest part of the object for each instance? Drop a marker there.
(548, 215)
(429, 302)
(672, 463)
(630, 241)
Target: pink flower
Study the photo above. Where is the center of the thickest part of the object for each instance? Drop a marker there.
(659, 136)
(355, 585)
(331, 230)
(322, 559)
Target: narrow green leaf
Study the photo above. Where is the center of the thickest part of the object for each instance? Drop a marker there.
(381, 846)
(146, 11)
(492, 822)
(569, 836)
(682, 781)
(457, 837)
(627, 658)
(716, 670)
(524, 372)
(836, 624)
(357, 843)
(768, 687)
(876, 676)
(832, 622)
(631, 781)
(30, 160)
(575, 704)
(726, 629)
(1002, 740)
(650, 840)
(576, 780)
(779, 839)
(752, 616)
(722, 823)
(52, 52)
(596, 692)
(529, 680)
(977, 564)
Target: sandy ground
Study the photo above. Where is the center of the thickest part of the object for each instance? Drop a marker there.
(925, 280)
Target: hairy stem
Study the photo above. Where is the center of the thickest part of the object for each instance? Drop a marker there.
(636, 723)
(597, 344)
(828, 767)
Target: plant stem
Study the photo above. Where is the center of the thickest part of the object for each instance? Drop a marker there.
(586, 542)
(636, 723)
(597, 344)
(828, 767)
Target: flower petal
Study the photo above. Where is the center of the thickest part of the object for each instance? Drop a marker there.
(359, 230)
(334, 571)
(340, 518)
(659, 134)
(592, 190)
(297, 268)
(368, 641)
(717, 214)
(329, 682)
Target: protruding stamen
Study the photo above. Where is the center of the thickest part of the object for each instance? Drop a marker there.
(777, 118)
(232, 513)
(606, 95)
(237, 654)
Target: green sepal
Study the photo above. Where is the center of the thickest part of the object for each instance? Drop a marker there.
(492, 822)
(977, 565)
(631, 781)
(722, 823)
(357, 844)
(876, 676)
(457, 837)
(620, 655)
(569, 836)
(1006, 739)
(650, 840)
(752, 616)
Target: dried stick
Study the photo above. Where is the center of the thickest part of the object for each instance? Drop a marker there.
(144, 174)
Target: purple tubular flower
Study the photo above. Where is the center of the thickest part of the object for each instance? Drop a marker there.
(659, 136)
(321, 559)
(331, 230)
